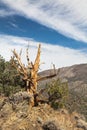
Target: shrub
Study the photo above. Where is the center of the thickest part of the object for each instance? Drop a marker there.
(58, 93)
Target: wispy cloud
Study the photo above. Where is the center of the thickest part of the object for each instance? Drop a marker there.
(13, 25)
(4, 13)
(68, 17)
(60, 56)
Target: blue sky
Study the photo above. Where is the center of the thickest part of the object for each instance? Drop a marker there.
(59, 25)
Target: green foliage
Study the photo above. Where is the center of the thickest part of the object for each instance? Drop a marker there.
(58, 93)
(2, 67)
(9, 79)
(2, 64)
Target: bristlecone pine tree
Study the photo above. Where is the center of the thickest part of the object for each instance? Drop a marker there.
(29, 73)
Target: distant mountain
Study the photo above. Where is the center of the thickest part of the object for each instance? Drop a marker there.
(76, 76)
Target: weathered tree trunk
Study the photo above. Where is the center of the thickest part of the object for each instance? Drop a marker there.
(29, 73)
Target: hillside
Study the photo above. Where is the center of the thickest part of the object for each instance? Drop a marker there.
(16, 114)
(76, 76)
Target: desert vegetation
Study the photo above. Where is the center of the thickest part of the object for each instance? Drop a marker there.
(9, 80)
(58, 93)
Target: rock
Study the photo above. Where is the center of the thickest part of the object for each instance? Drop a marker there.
(78, 116)
(20, 97)
(6, 110)
(64, 111)
(50, 126)
(34, 125)
(82, 124)
(21, 115)
(39, 119)
(1, 104)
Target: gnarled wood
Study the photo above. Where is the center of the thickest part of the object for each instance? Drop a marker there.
(29, 73)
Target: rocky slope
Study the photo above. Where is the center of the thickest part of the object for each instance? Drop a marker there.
(15, 114)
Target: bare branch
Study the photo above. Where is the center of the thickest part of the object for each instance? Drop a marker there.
(20, 52)
(27, 56)
(37, 60)
(18, 64)
(46, 77)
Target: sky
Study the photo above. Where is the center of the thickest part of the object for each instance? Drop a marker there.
(60, 26)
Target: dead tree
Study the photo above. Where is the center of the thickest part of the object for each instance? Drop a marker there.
(29, 73)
